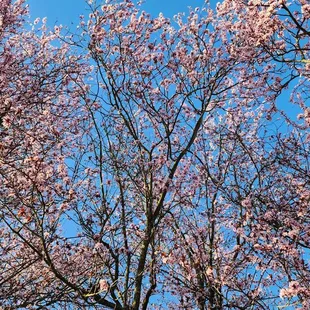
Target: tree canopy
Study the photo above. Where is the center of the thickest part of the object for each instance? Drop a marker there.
(154, 163)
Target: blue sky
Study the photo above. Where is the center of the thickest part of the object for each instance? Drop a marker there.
(66, 12)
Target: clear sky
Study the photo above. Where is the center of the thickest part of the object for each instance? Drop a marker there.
(66, 12)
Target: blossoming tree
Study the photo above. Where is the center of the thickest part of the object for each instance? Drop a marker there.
(151, 164)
